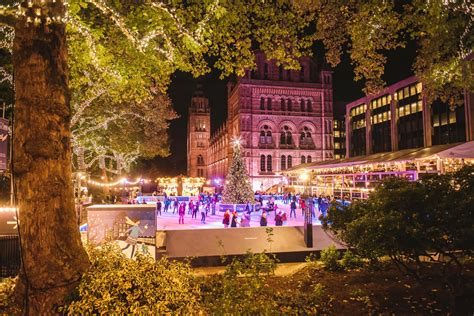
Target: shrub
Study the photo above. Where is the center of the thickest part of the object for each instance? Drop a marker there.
(405, 220)
(7, 287)
(118, 285)
(329, 257)
(304, 302)
(351, 261)
(243, 287)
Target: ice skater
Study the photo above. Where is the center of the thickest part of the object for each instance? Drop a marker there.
(134, 232)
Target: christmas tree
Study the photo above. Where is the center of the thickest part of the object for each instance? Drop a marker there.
(238, 189)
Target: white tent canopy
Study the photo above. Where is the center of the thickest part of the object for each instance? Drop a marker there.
(465, 150)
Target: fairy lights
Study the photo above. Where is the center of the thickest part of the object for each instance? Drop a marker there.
(120, 182)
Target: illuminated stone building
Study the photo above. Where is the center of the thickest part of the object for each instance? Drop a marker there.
(283, 117)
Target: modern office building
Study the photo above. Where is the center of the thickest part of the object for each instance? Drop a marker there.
(400, 118)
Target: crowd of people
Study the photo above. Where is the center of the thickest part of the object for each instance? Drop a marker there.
(203, 204)
(206, 204)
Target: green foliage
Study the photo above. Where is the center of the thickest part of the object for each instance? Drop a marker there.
(118, 285)
(405, 220)
(351, 261)
(310, 301)
(7, 287)
(243, 287)
(237, 189)
(330, 258)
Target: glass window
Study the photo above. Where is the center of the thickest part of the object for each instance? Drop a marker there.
(283, 162)
(374, 119)
(384, 100)
(419, 106)
(412, 90)
(303, 159)
(452, 117)
(269, 104)
(308, 159)
(385, 117)
(435, 120)
(379, 102)
(302, 105)
(389, 98)
(262, 162)
(337, 145)
(262, 104)
(290, 162)
(413, 107)
(444, 119)
(380, 117)
(269, 163)
(337, 134)
(309, 106)
(282, 104)
(401, 111)
(289, 105)
(406, 92)
(400, 94)
(418, 87)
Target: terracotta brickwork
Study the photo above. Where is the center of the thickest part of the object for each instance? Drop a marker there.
(284, 118)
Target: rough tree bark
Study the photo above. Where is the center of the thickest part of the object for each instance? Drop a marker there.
(53, 256)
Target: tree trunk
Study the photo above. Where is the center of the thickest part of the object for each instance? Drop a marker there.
(52, 253)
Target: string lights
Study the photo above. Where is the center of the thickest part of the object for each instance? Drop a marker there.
(122, 181)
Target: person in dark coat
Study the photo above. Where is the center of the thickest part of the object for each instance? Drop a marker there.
(234, 219)
(158, 207)
(278, 219)
(263, 219)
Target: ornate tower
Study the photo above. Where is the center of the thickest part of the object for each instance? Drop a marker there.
(199, 130)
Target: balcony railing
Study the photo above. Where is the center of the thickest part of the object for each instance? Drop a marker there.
(307, 146)
(266, 145)
(287, 146)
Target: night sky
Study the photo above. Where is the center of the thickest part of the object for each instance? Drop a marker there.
(182, 87)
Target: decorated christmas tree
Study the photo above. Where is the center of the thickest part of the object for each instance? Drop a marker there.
(238, 189)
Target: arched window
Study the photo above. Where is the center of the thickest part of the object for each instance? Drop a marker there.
(266, 135)
(289, 162)
(309, 106)
(269, 104)
(283, 162)
(262, 104)
(303, 159)
(288, 75)
(289, 105)
(200, 160)
(265, 71)
(302, 105)
(280, 72)
(308, 159)
(262, 163)
(305, 136)
(269, 163)
(285, 136)
(282, 104)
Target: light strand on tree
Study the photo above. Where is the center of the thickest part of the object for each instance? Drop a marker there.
(5, 76)
(8, 34)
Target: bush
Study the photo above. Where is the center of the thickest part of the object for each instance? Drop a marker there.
(243, 287)
(118, 285)
(351, 261)
(7, 287)
(329, 257)
(304, 302)
(405, 220)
